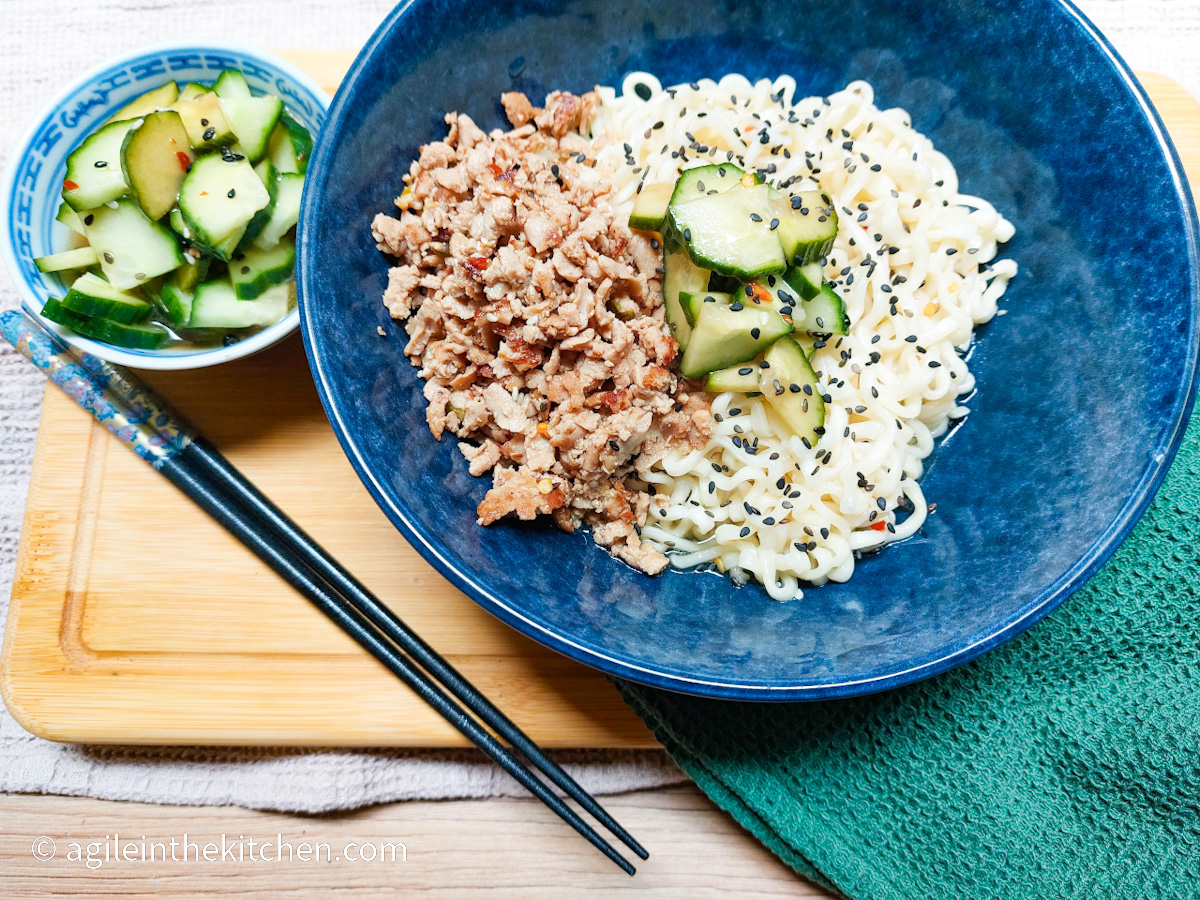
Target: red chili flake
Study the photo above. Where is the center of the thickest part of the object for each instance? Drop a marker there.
(760, 293)
(185, 161)
(879, 526)
(70, 185)
(495, 170)
(478, 263)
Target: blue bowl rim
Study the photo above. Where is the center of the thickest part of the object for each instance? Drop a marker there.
(1034, 611)
(144, 359)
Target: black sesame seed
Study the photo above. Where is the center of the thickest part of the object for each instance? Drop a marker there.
(89, 219)
(755, 333)
(100, 164)
(108, 258)
(934, 364)
(245, 270)
(642, 90)
(755, 217)
(232, 193)
(687, 234)
(774, 224)
(209, 134)
(745, 370)
(736, 306)
(912, 339)
(745, 530)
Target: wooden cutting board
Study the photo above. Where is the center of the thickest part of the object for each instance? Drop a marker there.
(136, 619)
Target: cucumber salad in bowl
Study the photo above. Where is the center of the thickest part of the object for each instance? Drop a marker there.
(184, 204)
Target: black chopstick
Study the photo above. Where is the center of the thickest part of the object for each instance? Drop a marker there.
(120, 402)
(218, 470)
(297, 573)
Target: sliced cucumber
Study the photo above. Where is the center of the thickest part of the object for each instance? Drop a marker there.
(730, 232)
(134, 337)
(69, 217)
(806, 280)
(807, 226)
(256, 270)
(650, 208)
(176, 293)
(691, 302)
(206, 123)
(300, 139)
(155, 156)
(742, 377)
(770, 289)
(192, 90)
(151, 101)
(91, 295)
(789, 385)
(680, 275)
(825, 313)
(216, 305)
(270, 179)
(704, 181)
(253, 119)
(286, 213)
(219, 197)
(231, 85)
(94, 169)
(175, 220)
(290, 146)
(79, 258)
(726, 335)
(132, 249)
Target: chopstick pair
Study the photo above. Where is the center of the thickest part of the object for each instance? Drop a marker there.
(142, 421)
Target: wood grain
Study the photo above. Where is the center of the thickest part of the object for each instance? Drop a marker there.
(135, 619)
(476, 848)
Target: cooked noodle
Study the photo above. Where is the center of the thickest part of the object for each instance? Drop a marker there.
(907, 263)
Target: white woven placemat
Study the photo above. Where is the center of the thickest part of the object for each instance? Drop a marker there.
(42, 46)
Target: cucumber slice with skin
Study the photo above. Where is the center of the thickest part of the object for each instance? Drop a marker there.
(257, 269)
(253, 119)
(290, 146)
(704, 181)
(94, 169)
(300, 139)
(219, 197)
(286, 212)
(231, 85)
(151, 101)
(790, 387)
(825, 313)
(70, 218)
(806, 280)
(206, 123)
(176, 294)
(807, 226)
(742, 377)
(691, 302)
(680, 275)
(92, 296)
(192, 90)
(155, 156)
(770, 289)
(216, 305)
(79, 258)
(270, 179)
(728, 335)
(730, 232)
(650, 208)
(134, 337)
(132, 249)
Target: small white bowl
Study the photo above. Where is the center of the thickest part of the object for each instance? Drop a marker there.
(33, 180)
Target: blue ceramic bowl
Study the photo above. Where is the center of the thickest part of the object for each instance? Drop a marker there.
(1084, 387)
(33, 180)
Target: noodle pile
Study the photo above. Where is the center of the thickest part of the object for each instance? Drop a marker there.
(913, 262)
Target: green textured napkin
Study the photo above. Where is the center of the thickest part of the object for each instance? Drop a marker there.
(1065, 763)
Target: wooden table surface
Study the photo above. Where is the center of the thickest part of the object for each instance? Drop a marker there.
(493, 848)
